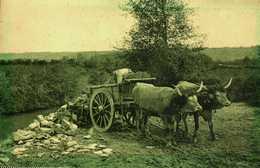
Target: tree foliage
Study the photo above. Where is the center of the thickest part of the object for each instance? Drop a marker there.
(163, 38)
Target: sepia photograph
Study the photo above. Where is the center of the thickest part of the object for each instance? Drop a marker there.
(130, 83)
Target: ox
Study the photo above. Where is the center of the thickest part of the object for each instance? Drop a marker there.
(212, 97)
(163, 102)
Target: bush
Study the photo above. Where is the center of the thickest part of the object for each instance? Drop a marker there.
(26, 87)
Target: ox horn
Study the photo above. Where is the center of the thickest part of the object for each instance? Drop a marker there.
(178, 90)
(201, 87)
(229, 83)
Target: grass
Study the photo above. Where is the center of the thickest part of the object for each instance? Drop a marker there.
(237, 128)
(255, 134)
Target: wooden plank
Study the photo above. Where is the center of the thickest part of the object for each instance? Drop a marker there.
(139, 79)
(103, 86)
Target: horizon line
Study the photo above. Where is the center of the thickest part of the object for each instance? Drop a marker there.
(80, 51)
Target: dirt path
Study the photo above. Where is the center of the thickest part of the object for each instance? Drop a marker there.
(232, 148)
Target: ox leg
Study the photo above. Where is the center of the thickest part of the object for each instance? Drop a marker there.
(139, 120)
(210, 124)
(169, 123)
(196, 122)
(146, 126)
(185, 124)
(178, 120)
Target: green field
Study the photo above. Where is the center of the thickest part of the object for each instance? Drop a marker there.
(217, 54)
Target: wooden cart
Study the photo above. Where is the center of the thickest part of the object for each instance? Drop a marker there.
(109, 100)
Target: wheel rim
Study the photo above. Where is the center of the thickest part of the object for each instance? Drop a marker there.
(101, 111)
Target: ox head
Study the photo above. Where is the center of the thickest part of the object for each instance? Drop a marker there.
(218, 95)
(190, 101)
(192, 105)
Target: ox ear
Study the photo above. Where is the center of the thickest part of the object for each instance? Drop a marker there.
(228, 84)
(178, 90)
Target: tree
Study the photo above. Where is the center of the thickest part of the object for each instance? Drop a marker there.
(162, 37)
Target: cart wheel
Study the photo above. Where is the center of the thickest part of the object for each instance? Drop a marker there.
(102, 110)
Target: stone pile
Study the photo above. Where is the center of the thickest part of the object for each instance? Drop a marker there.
(55, 132)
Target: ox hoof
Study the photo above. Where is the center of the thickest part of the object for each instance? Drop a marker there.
(213, 138)
(171, 144)
(195, 140)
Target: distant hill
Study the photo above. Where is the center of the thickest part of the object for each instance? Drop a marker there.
(230, 54)
(54, 55)
(217, 54)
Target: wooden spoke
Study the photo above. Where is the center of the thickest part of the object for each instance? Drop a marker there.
(106, 117)
(99, 100)
(95, 100)
(106, 106)
(105, 121)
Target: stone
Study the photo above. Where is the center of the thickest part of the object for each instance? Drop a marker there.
(83, 150)
(28, 144)
(39, 144)
(63, 108)
(72, 143)
(29, 140)
(77, 146)
(69, 125)
(20, 142)
(71, 149)
(52, 147)
(65, 153)
(58, 125)
(21, 135)
(46, 130)
(40, 117)
(46, 142)
(100, 153)
(52, 117)
(92, 146)
(34, 125)
(149, 147)
(107, 151)
(87, 137)
(46, 123)
(19, 151)
(101, 146)
(91, 131)
(63, 136)
(54, 140)
(41, 136)
(22, 156)
(73, 127)
(40, 155)
(74, 117)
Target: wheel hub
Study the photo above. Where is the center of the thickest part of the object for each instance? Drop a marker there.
(100, 108)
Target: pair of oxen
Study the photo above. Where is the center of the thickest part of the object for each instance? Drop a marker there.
(177, 102)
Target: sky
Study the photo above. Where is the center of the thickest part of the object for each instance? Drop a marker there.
(97, 25)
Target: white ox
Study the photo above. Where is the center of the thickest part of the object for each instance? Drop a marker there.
(164, 102)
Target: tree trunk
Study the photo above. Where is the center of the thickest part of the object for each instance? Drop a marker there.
(164, 23)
